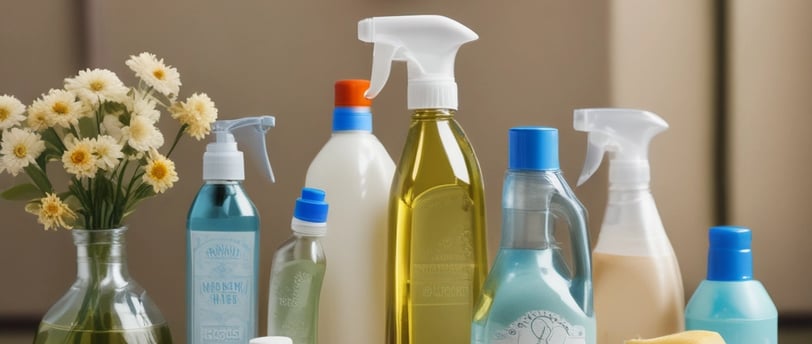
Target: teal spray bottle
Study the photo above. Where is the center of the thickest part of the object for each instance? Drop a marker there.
(437, 255)
(222, 250)
(531, 295)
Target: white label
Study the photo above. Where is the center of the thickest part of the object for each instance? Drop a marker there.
(223, 296)
(541, 327)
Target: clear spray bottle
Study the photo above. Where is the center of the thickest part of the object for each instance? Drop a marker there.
(222, 238)
(437, 255)
(638, 285)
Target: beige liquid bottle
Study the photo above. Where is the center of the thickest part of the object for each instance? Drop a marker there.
(637, 282)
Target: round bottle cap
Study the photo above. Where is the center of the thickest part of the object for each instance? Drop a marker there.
(310, 207)
(351, 106)
(533, 148)
(729, 255)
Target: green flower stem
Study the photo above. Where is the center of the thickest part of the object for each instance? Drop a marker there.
(177, 139)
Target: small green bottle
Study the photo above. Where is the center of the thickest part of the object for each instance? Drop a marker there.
(297, 272)
(437, 255)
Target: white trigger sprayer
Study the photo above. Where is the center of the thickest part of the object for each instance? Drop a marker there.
(223, 161)
(428, 44)
(626, 134)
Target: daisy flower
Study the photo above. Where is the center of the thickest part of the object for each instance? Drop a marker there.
(11, 112)
(51, 212)
(112, 126)
(160, 172)
(79, 159)
(198, 112)
(38, 116)
(142, 134)
(19, 148)
(145, 107)
(97, 85)
(108, 152)
(60, 108)
(164, 79)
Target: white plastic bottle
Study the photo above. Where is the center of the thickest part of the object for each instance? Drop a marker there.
(637, 281)
(355, 171)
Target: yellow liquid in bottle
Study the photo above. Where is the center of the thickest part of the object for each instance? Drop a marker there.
(437, 250)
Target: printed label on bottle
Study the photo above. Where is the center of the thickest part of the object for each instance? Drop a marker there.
(223, 298)
(541, 327)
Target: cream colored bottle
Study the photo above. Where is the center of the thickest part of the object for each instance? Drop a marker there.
(637, 281)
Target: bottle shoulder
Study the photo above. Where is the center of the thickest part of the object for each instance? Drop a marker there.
(220, 201)
(747, 300)
(347, 157)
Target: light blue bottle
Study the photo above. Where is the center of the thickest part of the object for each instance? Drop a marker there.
(730, 301)
(222, 242)
(531, 295)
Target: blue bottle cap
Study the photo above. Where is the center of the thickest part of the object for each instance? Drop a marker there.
(729, 255)
(310, 206)
(352, 118)
(533, 148)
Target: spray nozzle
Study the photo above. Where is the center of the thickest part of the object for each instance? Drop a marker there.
(626, 134)
(223, 161)
(428, 44)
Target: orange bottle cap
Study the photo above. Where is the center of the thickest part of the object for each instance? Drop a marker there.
(351, 93)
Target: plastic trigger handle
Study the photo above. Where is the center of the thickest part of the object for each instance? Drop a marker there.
(595, 150)
(250, 132)
(382, 56)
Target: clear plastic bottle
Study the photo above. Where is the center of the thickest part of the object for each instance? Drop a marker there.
(297, 273)
(531, 295)
(730, 301)
(638, 284)
(222, 250)
(355, 171)
(437, 256)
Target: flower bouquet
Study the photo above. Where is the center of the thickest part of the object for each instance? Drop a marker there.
(103, 136)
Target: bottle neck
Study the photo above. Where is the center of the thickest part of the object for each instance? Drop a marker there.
(223, 182)
(432, 114)
(101, 255)
(527, 208)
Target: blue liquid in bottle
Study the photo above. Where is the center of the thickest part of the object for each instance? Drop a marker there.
(530, 295)
(222, 265)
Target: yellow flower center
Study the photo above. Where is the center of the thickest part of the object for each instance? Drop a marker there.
(158, 171)
(159, 74)
(52, 209)
(20, 151)
(96, 85)
(60, 108)
(78, 157)
(4, 114)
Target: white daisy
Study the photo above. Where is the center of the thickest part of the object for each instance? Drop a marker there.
(93, 86)
(164, 79)
(142, 134)
(108, 152)
(145, 107)
(198, 112)
(11, 111)
(160, 172)
(112, 126)
(61, 108)
(79, 159)
(38, 119)
(19, 148)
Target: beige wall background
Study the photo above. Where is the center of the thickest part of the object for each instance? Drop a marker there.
(535, 62)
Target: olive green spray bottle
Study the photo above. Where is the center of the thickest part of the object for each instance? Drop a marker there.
(437, 254)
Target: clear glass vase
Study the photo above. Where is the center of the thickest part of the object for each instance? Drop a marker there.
(104, 305)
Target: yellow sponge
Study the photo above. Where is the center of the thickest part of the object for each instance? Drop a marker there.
(687, 337)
